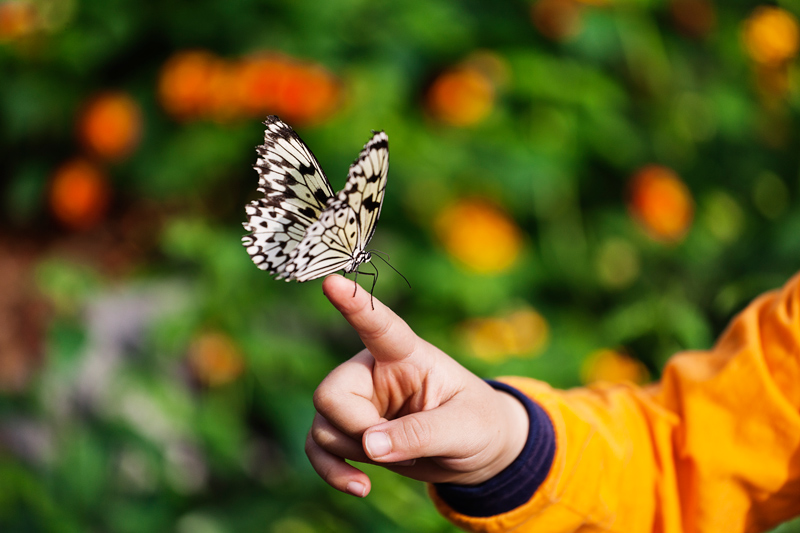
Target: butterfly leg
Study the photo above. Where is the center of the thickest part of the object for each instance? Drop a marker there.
(372, 289)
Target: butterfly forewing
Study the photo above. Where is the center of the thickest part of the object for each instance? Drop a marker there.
(295, 193)
(299, 230)
(366, 184)
(289, 174)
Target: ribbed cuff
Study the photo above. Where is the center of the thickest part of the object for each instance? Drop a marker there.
(517, 483)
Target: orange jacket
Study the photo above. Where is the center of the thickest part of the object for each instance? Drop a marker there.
(714, 447)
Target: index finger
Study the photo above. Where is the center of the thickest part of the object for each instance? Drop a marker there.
(385, 334)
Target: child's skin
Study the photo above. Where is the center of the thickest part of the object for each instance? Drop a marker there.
(404, 404)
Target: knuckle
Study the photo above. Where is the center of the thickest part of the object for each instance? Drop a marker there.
(310, 446)
(377, 331)
(323, 399)
(417, 433)
(315, 434)
(320, 436)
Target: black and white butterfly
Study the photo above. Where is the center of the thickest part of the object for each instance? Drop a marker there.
(299, 230)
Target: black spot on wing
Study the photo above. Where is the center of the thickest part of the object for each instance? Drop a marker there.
(306, 170)
(307, 211)
(322, 196)
(370, 204)
(379, 142)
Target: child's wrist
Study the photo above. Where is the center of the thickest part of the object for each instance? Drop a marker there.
(518, 481)
(515, 432)
(511, 432)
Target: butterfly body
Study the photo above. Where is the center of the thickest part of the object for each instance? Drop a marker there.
(300, 230)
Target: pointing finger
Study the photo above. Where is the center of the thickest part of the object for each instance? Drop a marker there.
(384, 333)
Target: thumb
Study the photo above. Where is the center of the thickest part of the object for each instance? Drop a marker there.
(439, 432)
(386, 335)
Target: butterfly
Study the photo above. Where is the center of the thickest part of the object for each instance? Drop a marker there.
(300, 230)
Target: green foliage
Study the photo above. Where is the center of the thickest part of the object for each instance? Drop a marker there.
(138, 418)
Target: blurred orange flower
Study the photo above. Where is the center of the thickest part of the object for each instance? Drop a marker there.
(771, 35)
(661, 203)
(594, 3)
(260, 81)
(484, 238)
(694, 18)
(221, 102)
(17, 19)
(214, 359)
(531, 331)
(309, 93)
(559, 20)
(489, 338)
(79, 194)
(523, 332)
(612, 366)
(111, 125)
(185, 83)
(463, 96)
(197, 84)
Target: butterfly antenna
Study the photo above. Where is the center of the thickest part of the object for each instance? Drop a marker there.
(393, 268)
(380, 252)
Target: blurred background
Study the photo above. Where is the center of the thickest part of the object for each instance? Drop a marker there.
(578, 189)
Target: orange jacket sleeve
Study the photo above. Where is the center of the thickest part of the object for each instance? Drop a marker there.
(714, 447)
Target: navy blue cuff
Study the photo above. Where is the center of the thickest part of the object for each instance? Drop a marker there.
(515, 485)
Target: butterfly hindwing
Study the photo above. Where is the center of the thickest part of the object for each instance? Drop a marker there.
(274, 234)
(299, 229)
(330, 244)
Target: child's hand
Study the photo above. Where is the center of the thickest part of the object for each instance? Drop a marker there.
(404, 404)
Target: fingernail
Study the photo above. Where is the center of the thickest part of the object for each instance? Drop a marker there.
(356, 489)
(378, 444)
